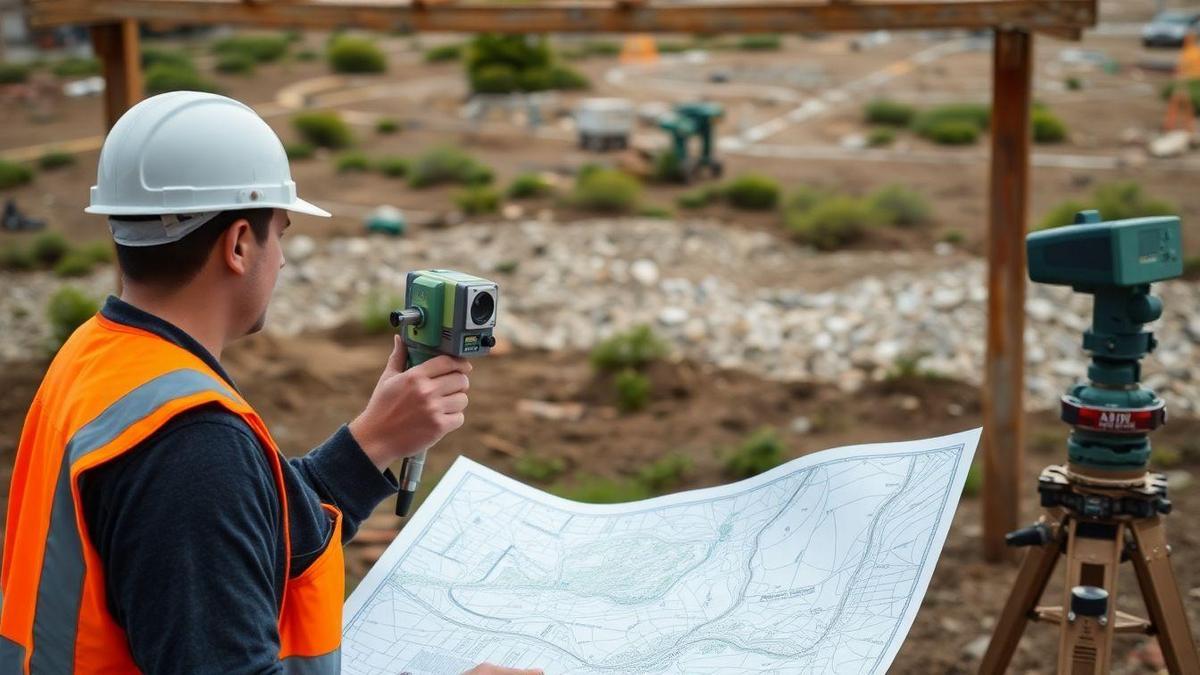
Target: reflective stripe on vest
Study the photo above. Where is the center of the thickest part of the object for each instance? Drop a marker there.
(61, 584)
(326, 664)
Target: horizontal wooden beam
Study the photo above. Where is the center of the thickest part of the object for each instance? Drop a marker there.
(587, 16)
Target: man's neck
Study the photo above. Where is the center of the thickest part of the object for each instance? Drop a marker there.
(180, 310)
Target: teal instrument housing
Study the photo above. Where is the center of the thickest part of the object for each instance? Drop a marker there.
(447, 312)
(1111, 415)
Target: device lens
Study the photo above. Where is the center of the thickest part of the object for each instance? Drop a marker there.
(482, 308)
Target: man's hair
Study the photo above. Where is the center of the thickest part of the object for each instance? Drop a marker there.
(173, 265)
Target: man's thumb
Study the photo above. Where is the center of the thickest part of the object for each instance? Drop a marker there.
(399, 358)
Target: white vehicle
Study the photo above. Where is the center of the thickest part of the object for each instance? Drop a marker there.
(604, 123)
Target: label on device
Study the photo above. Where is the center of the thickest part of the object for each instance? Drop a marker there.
(470, 343)
(1113, 420)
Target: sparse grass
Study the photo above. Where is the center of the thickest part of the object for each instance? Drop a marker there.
(540, 468)
(507, 266)
(13, 73)
(1073, 83)
(656, 211)
(377, 311)
(300, 151)
(99, 251)
(444, 53)
(764, 42)
(168, 76)
(906, 367)
(16, 258)
(386, 125)
(394, 167)
(762, 451)
(606, 191)
(1114, 201)
(952, 132)
(447, 165)
(635, 348)
(478, 200)
(954, 237)
(353, 162)
(235, 64)
(753, 192)
(880, 137)
(664, 473)
(55, 159)
(698, 198)
(888, 112)
(900, 206)
(1047, 127)
(975, 115)
(633, 390)
(323, 129)
(75, 66)
(832, 223)
(668, 168)
(67, 309)
(348, 54)
(528, 186)
(13, 174)
(252, 48)
(74, 264)
(597, 490)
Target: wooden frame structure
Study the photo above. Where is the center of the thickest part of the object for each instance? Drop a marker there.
(114, 29)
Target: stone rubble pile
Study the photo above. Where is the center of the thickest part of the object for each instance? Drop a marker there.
(721, 294)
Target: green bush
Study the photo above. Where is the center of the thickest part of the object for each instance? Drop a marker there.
(952, 132)
(762, 451)
(760, 42)
(698, 198)
(13, 73)
(76, 66)
(888, 112)
(974, 482)
(443, 53)
(1047, 127)
(353, 162)
(753, 192)
(386, 125)
(831, 224)
(531, 466)
(447, 164)
(954, 237)
(898, 205)
(668, 168)
(356, 55)
(567, 78)
(478, 200)
(596, 490)
(880, 137)
(496, 78)
(1114, 201)
(301, 150)
(255, 48)
(100, 252)
(74, 264)
(606, 191)
(13, 174)
(153, 56)
(664, 473)
(15, 257)
(633, 390)
(1074, 83)
(377, 311)
(634, 348)
(535, 79)
(67, 310)
(163, 77)
(592, 48)
(324, 129)
(394, 167)
(235, 64)
(529, 185)
(804, 198)
(49, 248)
(975, 115)
(55, 159)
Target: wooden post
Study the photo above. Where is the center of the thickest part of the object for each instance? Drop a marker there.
(1008, 194)
(118, 48)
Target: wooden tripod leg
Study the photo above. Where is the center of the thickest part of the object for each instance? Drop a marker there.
(1028, 587)
(1152, 563)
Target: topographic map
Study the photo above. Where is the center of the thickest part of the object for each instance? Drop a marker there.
(817, 566)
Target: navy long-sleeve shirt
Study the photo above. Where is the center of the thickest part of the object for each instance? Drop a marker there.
(189, 529)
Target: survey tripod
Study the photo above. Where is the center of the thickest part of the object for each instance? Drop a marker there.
(1103, 507)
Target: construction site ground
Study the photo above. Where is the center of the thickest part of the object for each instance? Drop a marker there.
(306, 385)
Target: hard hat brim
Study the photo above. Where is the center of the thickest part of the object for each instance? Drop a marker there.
(301, 206)
(297, 205)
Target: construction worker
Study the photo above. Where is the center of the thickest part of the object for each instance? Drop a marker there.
(153, 524)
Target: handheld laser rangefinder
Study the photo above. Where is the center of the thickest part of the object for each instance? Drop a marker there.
(1110, 414)
(445, 312)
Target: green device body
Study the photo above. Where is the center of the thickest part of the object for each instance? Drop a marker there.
(445, 312)
(1111, 414)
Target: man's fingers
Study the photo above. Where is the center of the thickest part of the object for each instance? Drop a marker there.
(450, 383)
(454, 403)
(440, 365)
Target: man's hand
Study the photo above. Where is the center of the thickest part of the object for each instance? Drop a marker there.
(410, 410)
(489, 669)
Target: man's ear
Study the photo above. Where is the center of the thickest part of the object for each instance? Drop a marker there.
(235, 246)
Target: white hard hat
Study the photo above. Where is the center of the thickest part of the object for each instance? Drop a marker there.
(188, 152)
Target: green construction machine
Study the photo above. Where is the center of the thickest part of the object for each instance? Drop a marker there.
(687, 121)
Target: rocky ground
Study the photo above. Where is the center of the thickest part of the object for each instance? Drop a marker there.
(736, 298)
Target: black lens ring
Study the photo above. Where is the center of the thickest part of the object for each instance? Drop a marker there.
(482, 308)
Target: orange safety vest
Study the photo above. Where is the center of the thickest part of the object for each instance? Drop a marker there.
(110, 387)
